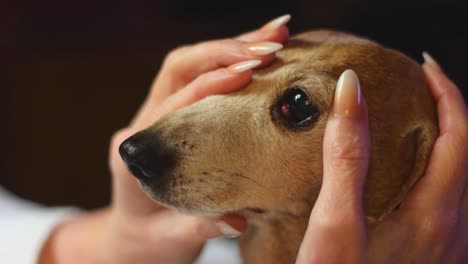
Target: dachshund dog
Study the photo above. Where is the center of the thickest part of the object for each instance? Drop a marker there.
(258, 152)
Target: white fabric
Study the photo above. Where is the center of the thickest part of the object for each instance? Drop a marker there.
(220, 250)
(25, 226)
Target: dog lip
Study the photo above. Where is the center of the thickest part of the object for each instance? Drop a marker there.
(244, 212)
(256, 210)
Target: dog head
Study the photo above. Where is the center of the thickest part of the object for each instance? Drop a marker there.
(259, 150)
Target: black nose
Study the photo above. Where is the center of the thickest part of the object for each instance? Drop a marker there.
(146, 156)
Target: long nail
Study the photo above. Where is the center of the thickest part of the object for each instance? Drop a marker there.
(429, 60)
(276, 23)
(227, 230)
(243, 66)
(263, 48)
(347, 102)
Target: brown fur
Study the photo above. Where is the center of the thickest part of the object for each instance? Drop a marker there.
(235, 156)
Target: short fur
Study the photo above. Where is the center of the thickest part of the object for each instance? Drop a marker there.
(235, 155)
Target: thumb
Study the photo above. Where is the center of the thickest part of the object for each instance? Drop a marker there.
(336, 231)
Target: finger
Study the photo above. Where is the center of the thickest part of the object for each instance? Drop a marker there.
(127, 195)
(445, 178)
(190, 229)
(210, 55)
(221, 81)
(336, 230)
(460, 247)
(464, 221)
(453, 113)
(275, 30)
(188, 233)
(185, 64)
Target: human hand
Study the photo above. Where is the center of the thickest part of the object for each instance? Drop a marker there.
(432, 223)
(135, 229)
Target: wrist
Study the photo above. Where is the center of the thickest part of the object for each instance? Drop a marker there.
(78, 240)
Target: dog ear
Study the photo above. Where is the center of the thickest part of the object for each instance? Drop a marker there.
(415, 150)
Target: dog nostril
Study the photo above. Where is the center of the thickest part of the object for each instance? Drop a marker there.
(135, 170)
(134, 154)
(146, 156)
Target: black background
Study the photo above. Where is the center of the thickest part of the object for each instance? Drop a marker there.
(74, 72)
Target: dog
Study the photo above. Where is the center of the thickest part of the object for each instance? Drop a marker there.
(242, 153)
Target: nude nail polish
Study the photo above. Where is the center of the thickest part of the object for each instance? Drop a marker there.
(276, 23)
(263, 48)
(428, 59)
(347, 102)
(227, 230)
(243, 66)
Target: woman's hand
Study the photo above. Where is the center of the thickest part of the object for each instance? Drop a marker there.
(135, 229)
(431, 225)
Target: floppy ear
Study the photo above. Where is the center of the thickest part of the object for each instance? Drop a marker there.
(415, 150)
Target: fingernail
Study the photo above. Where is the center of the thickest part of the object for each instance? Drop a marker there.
(347, 102)
(263, 48)
(429, 60)
(243, 66)
(227, 230)
(276, 23)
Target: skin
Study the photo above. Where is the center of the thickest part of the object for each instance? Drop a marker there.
(430, 227)
(134, 229)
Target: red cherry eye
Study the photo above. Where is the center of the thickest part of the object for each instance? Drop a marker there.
(285, 110)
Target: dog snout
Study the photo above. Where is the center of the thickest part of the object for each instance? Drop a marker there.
(146, 156)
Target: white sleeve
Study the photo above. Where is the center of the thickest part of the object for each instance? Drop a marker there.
(25, 226)
(220, 250)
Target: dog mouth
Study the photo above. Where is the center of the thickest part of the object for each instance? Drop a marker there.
(198, 209)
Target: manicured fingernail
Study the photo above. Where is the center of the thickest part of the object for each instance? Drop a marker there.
(244, 66)
(276, 23)
(347, 102)
(263, 48)
(430, 61)
(227, 230)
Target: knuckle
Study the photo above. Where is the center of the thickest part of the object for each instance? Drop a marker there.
(350, 156)
(221, 46)
(352, 148)
(201, 80)
(225, 42)
(176, 54)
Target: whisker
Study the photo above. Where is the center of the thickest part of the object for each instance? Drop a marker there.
(211, 199)
(250, 179)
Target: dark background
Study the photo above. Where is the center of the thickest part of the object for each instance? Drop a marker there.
(74, 72)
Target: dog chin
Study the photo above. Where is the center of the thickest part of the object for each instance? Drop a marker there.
(165, 199)
(197, 209)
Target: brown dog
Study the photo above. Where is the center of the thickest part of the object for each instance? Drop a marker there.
(241, 153)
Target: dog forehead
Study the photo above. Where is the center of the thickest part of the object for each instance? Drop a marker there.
(325, 46)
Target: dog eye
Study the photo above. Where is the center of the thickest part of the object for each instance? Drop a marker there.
(296, 108)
